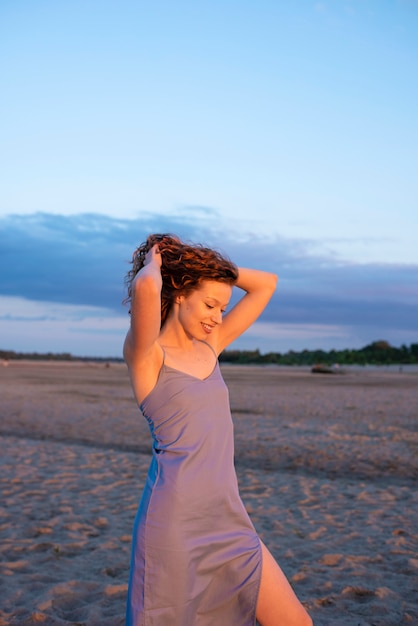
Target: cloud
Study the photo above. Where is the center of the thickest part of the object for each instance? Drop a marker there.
(297, 336)
(74, 267)
(80, 259)
(14, 308)
(28, 326)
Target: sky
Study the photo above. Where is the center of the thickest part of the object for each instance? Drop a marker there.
(284, 134)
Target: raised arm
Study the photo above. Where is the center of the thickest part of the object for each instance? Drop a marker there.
(258, 287)
(145, 310)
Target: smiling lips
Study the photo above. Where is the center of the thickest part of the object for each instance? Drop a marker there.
(208, 329)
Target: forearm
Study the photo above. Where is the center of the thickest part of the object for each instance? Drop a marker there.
(258, 288)
(251, 280)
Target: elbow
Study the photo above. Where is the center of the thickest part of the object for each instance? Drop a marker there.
(127, 348)
(145, 286)
(273, 280)
(146, 292)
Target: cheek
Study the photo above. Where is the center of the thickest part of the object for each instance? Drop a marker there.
(189, 311)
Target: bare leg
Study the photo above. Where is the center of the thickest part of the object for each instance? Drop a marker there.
(277, 603)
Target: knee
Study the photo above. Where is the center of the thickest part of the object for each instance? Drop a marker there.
(307, 621)
(302, 619)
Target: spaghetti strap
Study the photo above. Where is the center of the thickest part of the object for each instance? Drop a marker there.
(211, 347)
(163, 354)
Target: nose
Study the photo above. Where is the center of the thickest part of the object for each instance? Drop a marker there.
(217, 317)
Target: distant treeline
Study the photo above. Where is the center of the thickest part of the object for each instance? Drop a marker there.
(10, 355)
(377, 353)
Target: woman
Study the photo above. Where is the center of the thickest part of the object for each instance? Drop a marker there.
(196, 557)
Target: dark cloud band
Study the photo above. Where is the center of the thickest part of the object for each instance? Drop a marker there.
(82, 260)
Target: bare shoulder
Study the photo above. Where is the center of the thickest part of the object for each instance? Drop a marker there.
(144, 369)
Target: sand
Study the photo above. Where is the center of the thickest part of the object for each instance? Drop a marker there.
(327, 467)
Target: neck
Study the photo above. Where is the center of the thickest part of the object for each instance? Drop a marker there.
(173, 335)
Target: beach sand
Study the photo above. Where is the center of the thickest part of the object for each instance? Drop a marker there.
(327, 467)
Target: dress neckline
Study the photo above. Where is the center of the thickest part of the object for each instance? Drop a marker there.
(175, 369)
(165, 367)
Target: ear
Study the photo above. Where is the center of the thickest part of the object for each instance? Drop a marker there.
(179, 299)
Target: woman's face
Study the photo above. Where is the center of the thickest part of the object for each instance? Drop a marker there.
(201, 311)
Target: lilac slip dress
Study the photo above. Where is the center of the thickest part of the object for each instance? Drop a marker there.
(196, 557)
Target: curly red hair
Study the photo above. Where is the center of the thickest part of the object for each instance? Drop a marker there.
(183, 268)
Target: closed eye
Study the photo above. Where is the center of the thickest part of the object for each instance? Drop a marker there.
(211, 306)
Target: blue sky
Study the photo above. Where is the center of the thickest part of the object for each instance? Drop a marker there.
(284, 133)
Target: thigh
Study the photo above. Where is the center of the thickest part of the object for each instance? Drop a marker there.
(277, 602)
